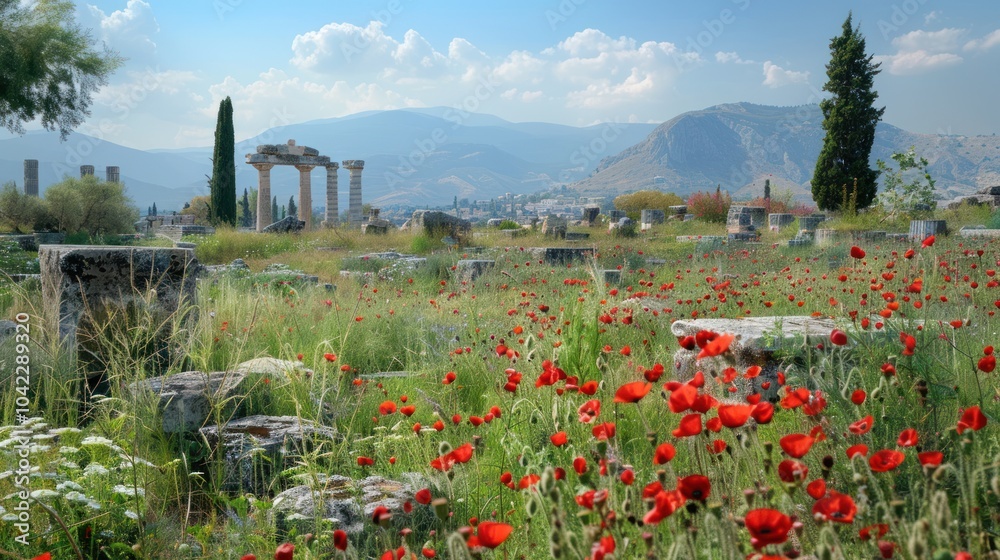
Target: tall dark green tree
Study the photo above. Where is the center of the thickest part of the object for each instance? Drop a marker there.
(849, 119)
(223, 182)
(292, 208)
(246, 213)
(275, 210)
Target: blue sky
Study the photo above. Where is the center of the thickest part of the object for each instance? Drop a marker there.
(574, 62)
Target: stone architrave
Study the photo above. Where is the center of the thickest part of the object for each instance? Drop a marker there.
(86, 170)
(305, 194)
(332, 211)
(263, 194)
(112, 174)
(355, 166)
(31, 177)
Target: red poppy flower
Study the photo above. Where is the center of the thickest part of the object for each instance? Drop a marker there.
(664, 504)
(714, 425)
(586, 500)
(559, 439)
(859, 449)
(928, 241)
(907, 438)
(762, 412)
(461, 455)
(885, 460)
(330, 357)
(589, 410)
(340, 540)
(734, 415)
(687, 342)
(717, 346)
(987, 363)
(663, 454)
(408, 410)
(632, 392)
(796, 398)
(492, 534)
(387, 407)
(694, 487)
(628, 477)
(857, 252)
(858, 397)
(589, 388)
(792, 472)
(972, 419)
(838, 337)
(767, 526)
(796, 445)
(930, 458)
(863, 426)
(835, 507)
(284, 551)
(423, 496)
(580, 465)
(528, 481)
(48, 556)
(879, 530)
(682, 398)
(604, 431)
(717, 446)
(690, 426)
(816, 489)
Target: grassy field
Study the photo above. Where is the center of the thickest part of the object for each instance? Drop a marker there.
(541, 401)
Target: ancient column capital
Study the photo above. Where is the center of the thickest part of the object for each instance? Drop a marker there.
(263, 166)
(354, 163)
(304, 168)
(332, 166)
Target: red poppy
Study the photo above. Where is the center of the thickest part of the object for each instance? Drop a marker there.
(717, 446)
(340, 540)
(857, 252)
(653, 375)
(734, 415)
(528, 481)
(492, 534)
(717, 346)
(586, 500)
(604, 431)
(387, 407)
(879, 530)
(330, 357)
(423, 496)
(835, 507)
(972, 419)
(795, 398)
(690, 426)
(664, 504)
(694, 487)
(284, 551)
(767, 526)
(48, 556)
(589, 410)
(663, 454)
(859, 449)
(408, 410)
(589, 388)
(714, 424)
(796, 445)
(987, 363)
(559, 439)
(762, 412)
(885, 460)
(858, 397)
(930, 458)
(928, 241)
(632, 392)
(461, 455)
(628, 477)
(816, 489)
(863, 426)
(682, 398)
(907, 438)
(792, 472)
(687, 342)
(838, 337)
(580, 465)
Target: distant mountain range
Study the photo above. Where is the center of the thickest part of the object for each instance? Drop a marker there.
(738, 146)
(426, 157)
(418, 157)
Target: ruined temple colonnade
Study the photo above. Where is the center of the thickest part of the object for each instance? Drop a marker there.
(305, 159)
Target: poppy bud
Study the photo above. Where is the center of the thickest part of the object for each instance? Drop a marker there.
(917, 544)
(940, 511)
(531, 505)
(547, 481)
(749, 496)
(995, 485)
(444, 448)
(440, 506)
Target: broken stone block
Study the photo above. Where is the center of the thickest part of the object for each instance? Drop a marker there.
(187, 400)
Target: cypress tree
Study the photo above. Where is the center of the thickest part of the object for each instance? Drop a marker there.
(275, 210)
(223, 182)
(849, 119)
(247, 219)
(292, 209)
(154, 209)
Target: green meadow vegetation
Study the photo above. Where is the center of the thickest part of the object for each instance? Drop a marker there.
(540, 409)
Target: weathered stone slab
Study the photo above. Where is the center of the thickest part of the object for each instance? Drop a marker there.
(348, 504)
(743, 219)
(24, 242)
(776, 221)
(272, 367)
(257, 448)
(577, 236)
(175, 232)
(288, 224)
(560, 255)
(921, 229)
(611, 276)
(590, 214)
(718, 239)
(650, 217)
(554, 226)
(87, 280)
(469, 270)
(433, 222)
(188, 399)
(810, 223)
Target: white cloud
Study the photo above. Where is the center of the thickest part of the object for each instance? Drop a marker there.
(530, 96)
(986, 43)
(931, 16)
(731, 57)
(922, 51)
(776, 76)
(130, 31)
(138, 87)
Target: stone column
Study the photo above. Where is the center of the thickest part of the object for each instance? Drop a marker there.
(305, 194)
(31, 177)
(86, 170)
(354, 209)
(332, 209)
(263, 195)
(113, 174)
